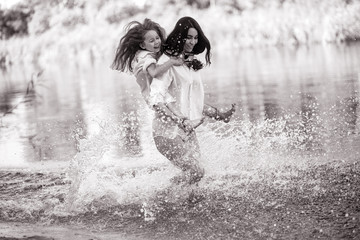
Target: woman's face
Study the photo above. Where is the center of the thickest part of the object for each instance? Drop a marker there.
(191, 40)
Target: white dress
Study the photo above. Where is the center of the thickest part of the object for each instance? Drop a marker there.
(186, 87)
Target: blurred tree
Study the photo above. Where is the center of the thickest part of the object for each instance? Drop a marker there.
(40, 22)
(73, 17)
(200, 4)
(118, 13)
(14, 22)
(4, 60)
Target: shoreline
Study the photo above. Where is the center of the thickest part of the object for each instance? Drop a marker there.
(28, 231)
(288, 203)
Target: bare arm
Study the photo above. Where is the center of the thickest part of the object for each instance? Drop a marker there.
(157, 70)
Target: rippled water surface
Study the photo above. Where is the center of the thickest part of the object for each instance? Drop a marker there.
(76, 149)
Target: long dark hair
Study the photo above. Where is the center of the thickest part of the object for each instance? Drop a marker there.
(174, 44)
(130, 43)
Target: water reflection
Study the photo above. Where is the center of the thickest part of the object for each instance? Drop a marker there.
(351, 116)
(347, 107)
(18, 124)
(310, 123)
(272, 108)
(315, 88)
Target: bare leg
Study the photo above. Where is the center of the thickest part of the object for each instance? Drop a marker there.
(184, 155)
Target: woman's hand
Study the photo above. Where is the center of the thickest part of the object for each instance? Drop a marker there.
(177, 61)
(186, 125)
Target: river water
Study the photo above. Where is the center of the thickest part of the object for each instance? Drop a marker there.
(76, 147)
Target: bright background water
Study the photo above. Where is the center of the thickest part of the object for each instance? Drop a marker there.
(88, 124)
(316, 88)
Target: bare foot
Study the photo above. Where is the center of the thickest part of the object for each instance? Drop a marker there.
(225, 116)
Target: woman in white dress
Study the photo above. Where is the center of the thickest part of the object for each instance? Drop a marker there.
(174, 132)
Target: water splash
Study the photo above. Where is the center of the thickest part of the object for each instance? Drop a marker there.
(109, 182)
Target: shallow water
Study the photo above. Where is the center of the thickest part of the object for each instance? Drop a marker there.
(76, 149)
